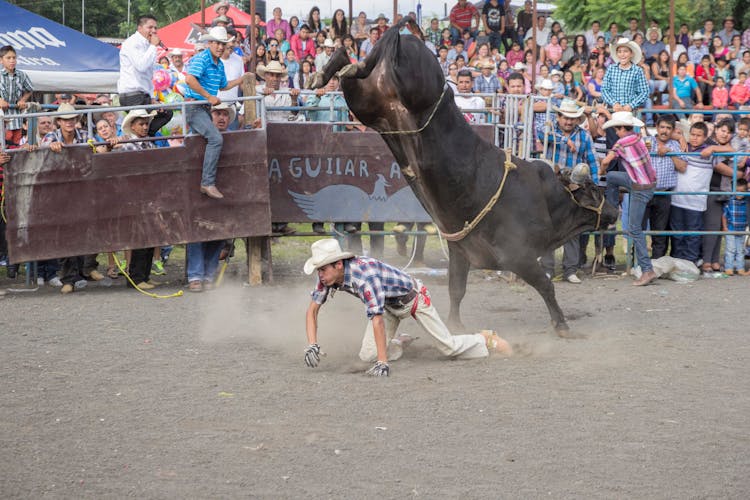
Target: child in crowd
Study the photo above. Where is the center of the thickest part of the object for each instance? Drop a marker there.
(740, 93)
(720, 94)
(15, 88)
(735, 219)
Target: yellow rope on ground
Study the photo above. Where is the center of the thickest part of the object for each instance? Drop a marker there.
(130, 280)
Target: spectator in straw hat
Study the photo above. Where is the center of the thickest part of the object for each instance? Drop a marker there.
(222, 11)
(204, 79)
(272, 74)
(390, 296)
(698, 49)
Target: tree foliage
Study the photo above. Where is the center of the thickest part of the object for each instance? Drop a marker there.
(579, 14)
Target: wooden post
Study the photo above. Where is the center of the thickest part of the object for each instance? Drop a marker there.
(254, 261)
(351, 14)
(250, 107)
(535, 52)
(395, 12)
(672, 47)
(251, 66)
(203, 13)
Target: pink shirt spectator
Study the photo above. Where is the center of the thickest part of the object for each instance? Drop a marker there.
(720, 97)
(514, 57)
(746, 38)
(554, 52)
(301, 52)
(739, 94)
(272, 26)
(635, 158)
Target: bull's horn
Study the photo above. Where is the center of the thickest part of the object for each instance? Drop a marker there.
(580, 173)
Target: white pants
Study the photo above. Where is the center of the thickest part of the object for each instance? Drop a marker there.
(459, 346)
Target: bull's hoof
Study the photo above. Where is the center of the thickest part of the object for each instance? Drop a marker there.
(315, 81)
(456, 326)
(347, 71)
(563, 331)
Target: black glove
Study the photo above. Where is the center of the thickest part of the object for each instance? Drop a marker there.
(379, 369)
(312, 355)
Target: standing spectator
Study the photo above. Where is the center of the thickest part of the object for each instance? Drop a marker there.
(525, 19)
(302, 44)
(360, 29)
(734, 218)
(667, 168)
(15, 89)
(594, 33)
(206, 77)
(461, 17)
(277, 22)
(137, 56)
(234, 68)
(728, 32)
(570, 145)
(338, 28)
(639, 178)
(314, 22)
(632, 30)
(493, 18)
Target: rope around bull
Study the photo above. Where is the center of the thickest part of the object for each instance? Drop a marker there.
(429, 119)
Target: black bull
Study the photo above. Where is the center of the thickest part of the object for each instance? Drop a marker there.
(400, 92)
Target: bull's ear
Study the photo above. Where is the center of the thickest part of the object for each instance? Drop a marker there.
(573, 187)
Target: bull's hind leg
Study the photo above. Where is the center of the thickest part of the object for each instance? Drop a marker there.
(533, 274)
(458, 271)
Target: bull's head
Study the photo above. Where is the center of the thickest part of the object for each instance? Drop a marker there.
(586, 194)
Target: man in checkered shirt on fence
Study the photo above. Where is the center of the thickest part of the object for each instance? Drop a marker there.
(389, 296)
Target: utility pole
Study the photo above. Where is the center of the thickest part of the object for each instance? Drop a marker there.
(83, 16)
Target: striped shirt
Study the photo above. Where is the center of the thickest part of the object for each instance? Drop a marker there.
(666, 175)
(371, 281)
(696, 178)
(635, 158)
(562, 155)
(625, 86)
(12, 87)
(735, 213)
(210, 74)
(462, 16)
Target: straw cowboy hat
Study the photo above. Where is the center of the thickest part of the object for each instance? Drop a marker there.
(545, 84)
(217, 34)
(329, 44)
(176, 52)
(136, 113)
(623, 119)
(325, 252)
(70, 109)
(229, 108)
(634, 48)
(272, 67)
(488, 64)
(569, 108)
(221, 19)
(218, 5)
(699, 36)
(555, 72)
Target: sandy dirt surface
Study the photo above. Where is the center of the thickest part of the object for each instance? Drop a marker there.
(106, 393)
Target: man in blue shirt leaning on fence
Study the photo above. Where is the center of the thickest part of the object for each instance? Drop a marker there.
(205, 77)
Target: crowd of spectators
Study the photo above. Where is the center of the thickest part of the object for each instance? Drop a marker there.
(586, 76)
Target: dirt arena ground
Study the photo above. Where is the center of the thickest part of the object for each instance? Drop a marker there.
(109, 394)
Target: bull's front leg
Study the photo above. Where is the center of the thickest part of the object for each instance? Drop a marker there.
(458, 272)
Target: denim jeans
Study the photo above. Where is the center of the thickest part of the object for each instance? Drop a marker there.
(734, 254)
(637, 207)
(199, 120)
(203, 260)
(686, 247)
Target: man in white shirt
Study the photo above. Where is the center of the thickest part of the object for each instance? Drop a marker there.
(137, 58)
(272, 74)
(475, 103)
(592, 34)
(542, 32)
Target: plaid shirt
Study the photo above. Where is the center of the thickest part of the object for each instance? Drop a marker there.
(371, 281)
(560, 154)
(625, 86)
(484, 86)
(12, 87)
(735, 213)
(666, 175)
(635, 158)
(81, 137)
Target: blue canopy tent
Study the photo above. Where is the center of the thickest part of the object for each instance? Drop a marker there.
(58, 58)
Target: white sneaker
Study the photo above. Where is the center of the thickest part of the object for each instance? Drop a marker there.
(55, 282)
(40, 281)
(573, 279)
(80, 284)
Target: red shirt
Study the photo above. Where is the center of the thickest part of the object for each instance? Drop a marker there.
(296, 45)
(462, 17)
(700, 72)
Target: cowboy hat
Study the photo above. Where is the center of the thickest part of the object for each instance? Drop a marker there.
(229, 108)
(634, 49)
(99, 115)
(545, 84)
(329, 44)
(132, 115)
(176, 52)
(221, 19)
(698, 36)
(68, 108)
(324, 252)
(519, 66)
(218, 5)
(623, 119)
(555, 72)
(569, 108)
(488, 64)
(216, 34)
(272, 67)
(381, 16)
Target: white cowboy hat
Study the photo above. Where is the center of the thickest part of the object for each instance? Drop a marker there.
(70, 109)
(221, 19)
(218, 5)
(132, 115)
(272, 67)
(545, 84)
(216, 34)
(519, 66)
(555, 72)
(329, 43)
(569, 108)
(623, 118)
(634, 48)
(176, 52)
(325, 252)
(229, 108)
(699, 36)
